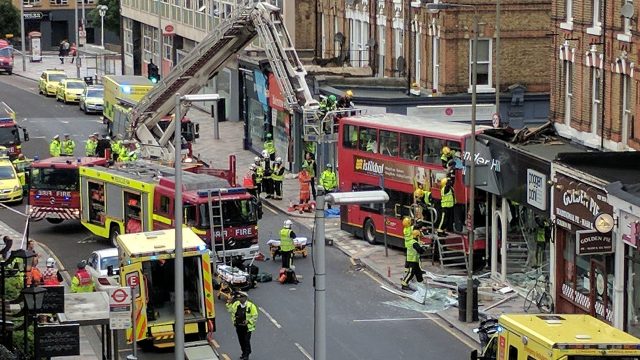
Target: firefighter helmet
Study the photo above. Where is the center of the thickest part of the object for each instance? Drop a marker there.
(253, 167)
(348, 93)
(332, 98)
(415, 233)
(287, 224)
(256, 160)
(51, 262)
(406, 221)
(443, 182)
(279, 160)
(445, 150)
(418, 193)
(265, 154)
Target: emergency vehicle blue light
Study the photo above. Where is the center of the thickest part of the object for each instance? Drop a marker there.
(67, 198)
(38, 196)
(499, 329)
(218, 191)
(202, 247)
(154, 257)
(36, 158)
(6, 120)
(126, 89)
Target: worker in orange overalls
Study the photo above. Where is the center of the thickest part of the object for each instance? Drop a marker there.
(305, 190)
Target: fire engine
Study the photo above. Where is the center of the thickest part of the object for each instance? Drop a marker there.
(139, 196)
(54, 192)
(9, 131)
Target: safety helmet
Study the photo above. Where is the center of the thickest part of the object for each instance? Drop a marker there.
(265, 153)
(443, 181)
(406, 221)
(51, 262)
(458, 154)
(82, 264)
(446, 150)
(329, 166)
(415, 233)
(252, 167)
(287, 224)
(418, 193)
(56, 137)
(256, 160)
(269, 136)
(348, 93)
(332, 98)
(279, 160)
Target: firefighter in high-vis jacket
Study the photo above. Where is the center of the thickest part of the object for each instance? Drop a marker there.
(543, 236)
(259, 175)
(82, 281)
(286, 244)
(412, 265)
(447, 201)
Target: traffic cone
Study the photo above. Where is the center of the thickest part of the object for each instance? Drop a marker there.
(388, 271)
(291, 208)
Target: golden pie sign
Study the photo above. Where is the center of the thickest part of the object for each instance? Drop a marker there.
(604, 223)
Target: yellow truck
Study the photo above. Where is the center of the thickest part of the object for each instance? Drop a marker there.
(120, 92)
(557, 337)
(147, 265)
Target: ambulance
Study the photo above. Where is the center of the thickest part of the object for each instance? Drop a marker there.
(147, 264)
(139, 196)
(558, 337)
(117, 88)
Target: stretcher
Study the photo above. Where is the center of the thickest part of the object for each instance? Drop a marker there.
(299, 242)
(231, 279)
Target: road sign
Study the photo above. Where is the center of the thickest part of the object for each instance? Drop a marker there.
(132, 280)
(120, 308)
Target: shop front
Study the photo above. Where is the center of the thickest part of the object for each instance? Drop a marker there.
(254, 106)
(583, 273)
(280, 123)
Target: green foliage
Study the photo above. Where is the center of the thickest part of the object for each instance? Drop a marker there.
(5, 354)
(18, 341)
(9, 18)
(111, 20)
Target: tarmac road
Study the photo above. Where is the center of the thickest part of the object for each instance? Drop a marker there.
(360, 325)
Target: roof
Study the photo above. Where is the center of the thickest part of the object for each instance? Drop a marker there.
(50, 71)
(108, 252)
(414, 124)
(161, 241)
(72, 80)
(609, 166)
(69, 162)
(130, 80)
(566, 329)
(549, 151)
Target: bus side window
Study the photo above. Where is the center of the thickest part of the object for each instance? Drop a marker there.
(350, 136)
(431, 149)
(513, 353)
(409, 146)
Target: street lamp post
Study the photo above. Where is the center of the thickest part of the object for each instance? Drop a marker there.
(472, 151)
(319, 276)
(102, 10)
(33, 297)
(179, 262)
(160, 38)
(22, 37)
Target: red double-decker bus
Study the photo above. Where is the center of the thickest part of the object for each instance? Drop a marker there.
(54, 187)
(400, 153)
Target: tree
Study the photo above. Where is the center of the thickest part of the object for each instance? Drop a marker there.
(9, 18)
(111, 20)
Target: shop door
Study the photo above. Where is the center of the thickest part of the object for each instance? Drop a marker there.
(598, 278)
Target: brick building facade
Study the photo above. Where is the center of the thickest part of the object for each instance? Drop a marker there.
(373, 34)
(594, 92)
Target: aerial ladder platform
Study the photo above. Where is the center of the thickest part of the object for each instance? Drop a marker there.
(207, 58)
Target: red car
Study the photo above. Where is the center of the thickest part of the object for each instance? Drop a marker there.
(6, 57)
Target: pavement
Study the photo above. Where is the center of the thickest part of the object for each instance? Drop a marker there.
(388, 268)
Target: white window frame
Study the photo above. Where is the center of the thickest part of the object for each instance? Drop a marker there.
(382, 45)
(625, 107)
(147, 43)
(418, 51)
(364, 40)
(323, 41)
(626, 26)
(352, 40)
(481, 87)
(398, 41)
(596, 101)
(568, 92)
(336, 47)
(596, 19)
(167, 49)
(435, 62)
(128, 35)
(568, 7)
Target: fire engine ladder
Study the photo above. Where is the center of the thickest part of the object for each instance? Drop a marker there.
(319, 128)
(451, 252)
(216, 224)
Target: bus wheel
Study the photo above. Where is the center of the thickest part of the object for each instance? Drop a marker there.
(369, 232)
(54, 220)
(113, 235)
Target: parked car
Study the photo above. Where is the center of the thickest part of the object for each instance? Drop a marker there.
(6, 57)
(49, 80)
(104, 268)
(69, 90)
(92, 99)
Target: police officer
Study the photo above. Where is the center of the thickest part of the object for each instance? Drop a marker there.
(68, 146)
(270, 148)
(91, 145)
(55, 148)
(286, 244)
(82, 281)
(447, 201)
(412, 263)
(244, 315)
(277, 176)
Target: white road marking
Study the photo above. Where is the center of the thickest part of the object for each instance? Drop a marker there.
(37, 137)
(275, 323)
(426, 317)
(303, 351)
(64, 121)
(270, 209)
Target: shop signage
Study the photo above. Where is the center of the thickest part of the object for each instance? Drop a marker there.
(120, 308)
(629, 228)
(58, 340)
(577, 204)
(589, 242)
(537, 189)
(53, 301)
(393, 170)
(493, 164)
(36, 15)
(276, 100)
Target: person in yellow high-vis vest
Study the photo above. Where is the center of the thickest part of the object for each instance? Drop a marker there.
(412, 265)
(447, 201)
(277, 176)
(68, 146)
(286, 244)
(543, 236)
(55, 148)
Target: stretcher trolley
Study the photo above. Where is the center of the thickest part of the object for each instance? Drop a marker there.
(231, 279)
(299, 242)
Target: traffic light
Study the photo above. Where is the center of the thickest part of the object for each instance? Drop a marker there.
(153, 72)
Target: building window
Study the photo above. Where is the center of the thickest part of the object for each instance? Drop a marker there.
(626, 24)
(484, 63)
(596, 84)
(336, 45)
(596, 26)
(31, 2)
(398, 39)
(358, 37)
(568, 93)
(168, 48)
(568, 8)
(58, 2)
(128, 36)
(418, 51)
(382, 44)
(323, 43)
(435, 63)
(625, 107)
